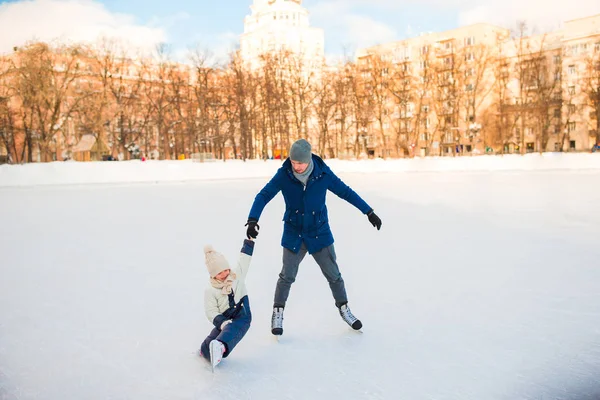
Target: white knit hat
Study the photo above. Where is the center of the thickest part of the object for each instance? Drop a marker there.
(215, 261)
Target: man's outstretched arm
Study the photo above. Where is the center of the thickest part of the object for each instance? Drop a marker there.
(260, 201)
(344, 191)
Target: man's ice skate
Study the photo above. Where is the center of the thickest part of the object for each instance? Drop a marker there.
(216, 353)
(277, 321)
(350, 318)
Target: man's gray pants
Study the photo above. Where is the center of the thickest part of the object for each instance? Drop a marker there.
(326, 260)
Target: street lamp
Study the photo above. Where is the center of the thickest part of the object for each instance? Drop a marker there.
(474, 129)
(362, 133)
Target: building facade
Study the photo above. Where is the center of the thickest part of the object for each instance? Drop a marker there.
(482, 89)
(281, 26)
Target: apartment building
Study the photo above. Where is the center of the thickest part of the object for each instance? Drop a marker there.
(580, 83)
(480, 89)
(276, 26)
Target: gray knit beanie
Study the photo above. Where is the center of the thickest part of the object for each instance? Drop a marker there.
(301, 151)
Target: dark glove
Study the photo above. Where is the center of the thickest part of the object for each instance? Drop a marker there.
(252, 231)
(374, 219)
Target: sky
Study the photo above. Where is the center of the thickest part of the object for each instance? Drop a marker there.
(216, 25)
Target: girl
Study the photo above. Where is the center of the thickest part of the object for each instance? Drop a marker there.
(226, 303)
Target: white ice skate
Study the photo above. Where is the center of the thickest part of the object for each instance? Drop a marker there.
(350, 319)
(216, 353)
(277, 321)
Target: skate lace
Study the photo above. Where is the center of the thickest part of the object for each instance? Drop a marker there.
(277, 318)
(347, 315)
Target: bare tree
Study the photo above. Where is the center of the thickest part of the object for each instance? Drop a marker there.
(537, 86)
(300, 79)
(591, 89)
(501, 115)
(343, 105)
(274, 103)
(46, 79)
(238, 111)
(478, 83)
(204, 83)
(362, 103)
(403, 88)
(160, 99)
(379, 80)
(449, 93)
(324, 105)
(8, 128)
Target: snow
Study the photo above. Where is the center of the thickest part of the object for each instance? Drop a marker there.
(69, 173)
(482, 283)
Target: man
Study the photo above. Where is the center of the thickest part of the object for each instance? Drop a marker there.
(304, 180)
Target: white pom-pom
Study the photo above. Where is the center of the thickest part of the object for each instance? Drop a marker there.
(208, 249)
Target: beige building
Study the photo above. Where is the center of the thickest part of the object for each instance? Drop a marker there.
(448, 82)
(580, 65)
(478, 89)
(281, 26)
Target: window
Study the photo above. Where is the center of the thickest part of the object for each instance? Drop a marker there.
(571, 89)
(469, 57)
(557, 112)
(470, 72)
(529, 131)
(530, 147)
(574, 50)
(557, 129)
(556, 59)
(597, 47)
(425, 109)
(556, 146)
(572, 109)
(572, 145)
(423, 136)
(469, 87)
(572, 69)
(470, 41)
(557, 76)
(572, 126)
(425, 49)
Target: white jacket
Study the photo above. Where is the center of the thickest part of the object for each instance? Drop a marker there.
(215, 302)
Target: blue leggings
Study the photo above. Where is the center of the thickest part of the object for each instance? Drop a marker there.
(231, 335)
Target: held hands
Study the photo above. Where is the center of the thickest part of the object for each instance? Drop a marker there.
(374, 219)
(252, 231)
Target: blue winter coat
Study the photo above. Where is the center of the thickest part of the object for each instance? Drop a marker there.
(305, 210)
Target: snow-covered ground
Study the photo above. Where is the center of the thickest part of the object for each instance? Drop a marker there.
(68, 173)
(480, 285)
